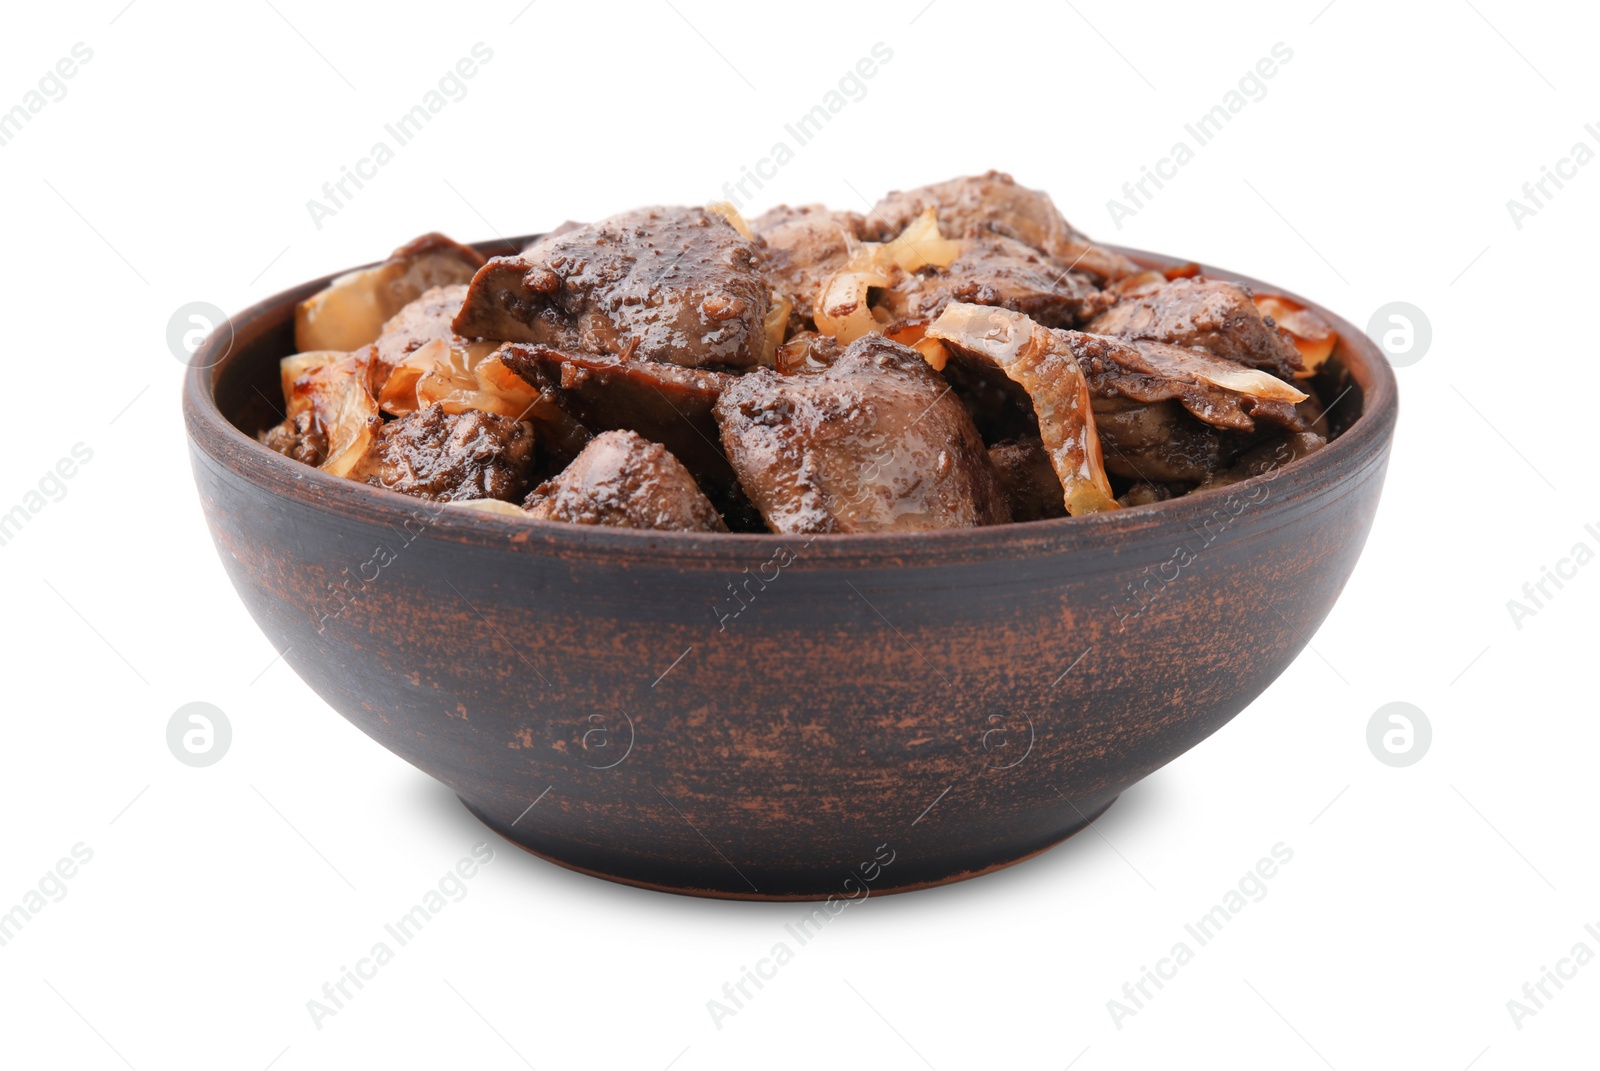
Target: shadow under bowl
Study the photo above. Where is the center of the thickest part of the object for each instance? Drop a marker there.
(776, 716)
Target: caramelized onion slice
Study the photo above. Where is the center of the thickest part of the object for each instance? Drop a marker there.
(458, 377)
(291, 369)
(919, 245)
(333, 387)
(843, 306)
(1043, 366)
(776, 325)
(352, 425)
(1313, 336)
(489, 505)
(914, 333)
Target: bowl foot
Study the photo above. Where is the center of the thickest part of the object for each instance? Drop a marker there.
(772, 884)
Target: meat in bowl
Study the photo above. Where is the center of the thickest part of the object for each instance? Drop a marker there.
(960, 356)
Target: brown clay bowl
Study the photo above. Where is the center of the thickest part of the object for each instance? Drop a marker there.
(883, 713)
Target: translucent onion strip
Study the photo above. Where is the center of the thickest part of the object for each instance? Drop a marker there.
(1042, 365)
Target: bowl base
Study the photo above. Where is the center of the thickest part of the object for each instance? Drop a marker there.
(644, 877)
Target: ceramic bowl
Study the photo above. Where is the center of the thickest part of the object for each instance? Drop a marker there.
(777, 716)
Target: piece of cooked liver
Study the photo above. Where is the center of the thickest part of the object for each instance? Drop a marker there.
(672, 285)
(440, 247)
(1156, 371)
(664, 403)
(299, 437)
(626, 481)
(1268, 456)
(1158, 442)
(995, 270)
(1033, 490)
(450, 456)
(1209, 314)
(994, 202)
(874, 442)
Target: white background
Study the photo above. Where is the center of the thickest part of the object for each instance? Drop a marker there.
(1377, 169)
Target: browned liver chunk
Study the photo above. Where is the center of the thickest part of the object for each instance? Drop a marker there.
(1209, 314)
(450, 456)
(995, 270)
(874, 442)
(994, 202)
(1032, 488)
(674, 285)
(623, 480)
(664, 403)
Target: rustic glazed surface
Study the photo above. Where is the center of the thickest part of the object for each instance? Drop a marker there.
(762, 717)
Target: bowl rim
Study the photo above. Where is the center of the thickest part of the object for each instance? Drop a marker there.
(1362, 447)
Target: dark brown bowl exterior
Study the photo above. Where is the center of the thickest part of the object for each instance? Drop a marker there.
(763, 717)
